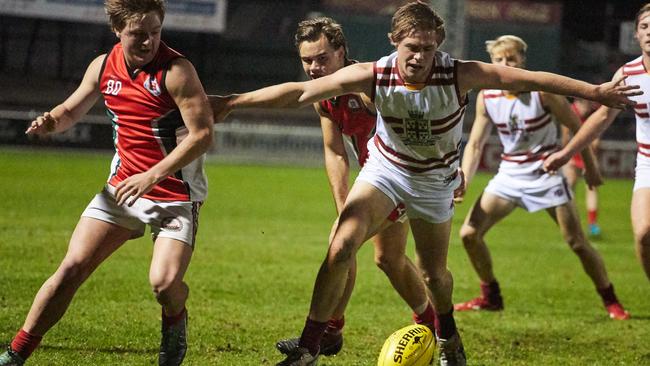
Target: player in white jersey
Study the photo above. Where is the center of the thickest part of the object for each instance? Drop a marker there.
(420, 96)
(526, 128)
(636, 72)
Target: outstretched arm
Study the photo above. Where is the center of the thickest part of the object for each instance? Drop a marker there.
(479, 75)
(66, 114)
(356, 78)
(560, 108)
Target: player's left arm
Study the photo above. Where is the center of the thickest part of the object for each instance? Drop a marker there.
(479, 75)
(561, 110)
(185, 88)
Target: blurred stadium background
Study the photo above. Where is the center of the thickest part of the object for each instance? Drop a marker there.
(242, 45)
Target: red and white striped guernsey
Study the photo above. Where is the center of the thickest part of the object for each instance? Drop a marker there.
(147, 125)
(419, 128)
(638, 75)
(356, 122)
(527, 131)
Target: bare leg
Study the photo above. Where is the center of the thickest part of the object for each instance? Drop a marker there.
(92, 242)
(390, 256)
(486, 212)
(641, 226)
(365, 209)
(567, 218)
(168, 266)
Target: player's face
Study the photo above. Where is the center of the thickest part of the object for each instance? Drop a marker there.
(643, 32)
(507, 57)
(140, 39)
(319, 58)
(415, 55)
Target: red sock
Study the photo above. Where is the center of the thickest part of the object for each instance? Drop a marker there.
(592, 216)
(24, 343)
(335, 326)
(312, 335)
(608, 295)
(428, 317)
(491, 290)
(168, 321)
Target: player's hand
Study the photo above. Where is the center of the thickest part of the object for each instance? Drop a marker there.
(593, 178)
(220, 107)
(459, 193)
(134, 187)
(42, 125)
(615, 93)
(555, 161)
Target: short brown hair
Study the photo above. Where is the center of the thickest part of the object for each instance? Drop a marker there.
(311, 29)
(121, 11)
(416, 16)
(644, 8)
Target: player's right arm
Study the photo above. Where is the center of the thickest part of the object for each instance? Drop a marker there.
(337, 164)
(66, 114)
(478, 136)
(356, 78)
(590, 130)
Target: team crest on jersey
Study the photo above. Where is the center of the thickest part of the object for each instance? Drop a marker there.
(353, 104)
(417, 130)
(151, 84)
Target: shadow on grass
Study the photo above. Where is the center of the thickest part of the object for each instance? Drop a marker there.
(112, 350)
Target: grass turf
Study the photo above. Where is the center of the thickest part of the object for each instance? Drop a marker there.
(262, 237)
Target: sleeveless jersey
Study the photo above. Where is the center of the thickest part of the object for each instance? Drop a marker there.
(526, 130)
(147, 125)
(419, 129)
(638, 75)
(356, 122)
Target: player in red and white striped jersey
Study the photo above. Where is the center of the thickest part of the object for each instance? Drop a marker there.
(525, 123)
(414, 162)
(162, 128)
(350, 119)
(636, 73)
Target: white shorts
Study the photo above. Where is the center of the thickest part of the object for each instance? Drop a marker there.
(427, 196)
(642, 172)
(533, 193)
(173, 219)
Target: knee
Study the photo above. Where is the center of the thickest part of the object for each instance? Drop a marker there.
(577, 243)
(437, 278)
(342, 251)
(71, 273)
(388, 264)
(469, 235)
(161, 284)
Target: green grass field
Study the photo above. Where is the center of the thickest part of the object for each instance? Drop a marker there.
(262, 237)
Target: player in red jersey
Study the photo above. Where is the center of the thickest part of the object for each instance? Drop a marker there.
(351, 119)
(575, 168)
(162, 127)
(635, 72)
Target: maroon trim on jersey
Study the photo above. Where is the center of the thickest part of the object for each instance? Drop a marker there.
(642, 145)
(536, 119)
(462, 100)
(374, 86)
(642, 115)
(529, 156)
(444, 159)
(493, 95)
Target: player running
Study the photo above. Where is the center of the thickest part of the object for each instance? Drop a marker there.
(635, 72)
(526, 128)
(162, 125)
(350, 119)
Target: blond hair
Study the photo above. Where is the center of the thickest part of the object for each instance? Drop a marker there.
(509, 42)
(121, 11)
(416, 16)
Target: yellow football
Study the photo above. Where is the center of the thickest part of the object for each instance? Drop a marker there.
(413, 345)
